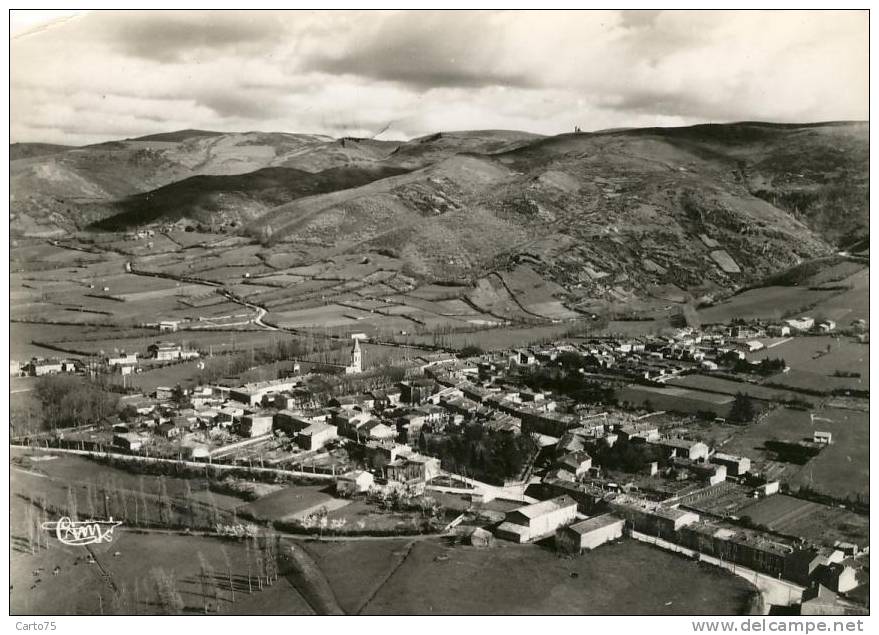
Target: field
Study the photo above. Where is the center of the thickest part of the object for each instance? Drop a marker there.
(812, 521)
(841, 469)
(290, 502)
(728, 387)
(771, 303)
(676, 399)
(814, 360)
(622, 579)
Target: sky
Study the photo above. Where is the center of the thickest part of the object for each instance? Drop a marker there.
(87, 77)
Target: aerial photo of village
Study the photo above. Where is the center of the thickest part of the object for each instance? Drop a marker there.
(579, 368)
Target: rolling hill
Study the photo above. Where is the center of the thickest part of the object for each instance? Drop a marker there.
(684, 213)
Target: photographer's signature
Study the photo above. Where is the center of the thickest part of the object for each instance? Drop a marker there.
(83, 532)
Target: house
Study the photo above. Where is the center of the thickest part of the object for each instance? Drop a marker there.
(316, 436)
(169, 351)
(355, 482)
(167, 430)
(836, 576)
(577, 462)
(122, 359)
(651, 518)
(168, 326)
(128, 441)
(735, 465)
(827, 326)
(256, 424)
(801, 324)
(684, 448)
(589, 534)
(42, 367)
(538, 520)
(778, 330)
(412, 469)
(379, 431)
(290, 422)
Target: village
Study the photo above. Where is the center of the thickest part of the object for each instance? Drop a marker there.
(515, 426)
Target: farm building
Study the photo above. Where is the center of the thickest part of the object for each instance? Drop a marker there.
(355, 482)
(735, 465)
(256, 424)
(316, 436)
(589, 534)
(538, 520)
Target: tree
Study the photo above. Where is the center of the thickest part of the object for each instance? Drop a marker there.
(166, 590)
(742, 410)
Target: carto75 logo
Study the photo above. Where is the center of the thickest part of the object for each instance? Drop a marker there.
(84, 532)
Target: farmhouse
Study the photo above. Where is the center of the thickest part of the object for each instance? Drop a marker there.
(538, 520)
(589, 534)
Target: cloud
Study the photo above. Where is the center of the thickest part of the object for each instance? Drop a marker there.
(172, 36)
(105, 75)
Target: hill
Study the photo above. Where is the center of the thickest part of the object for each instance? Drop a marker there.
(225, 200)
(31, 150)
(612, 217)
(615, 218)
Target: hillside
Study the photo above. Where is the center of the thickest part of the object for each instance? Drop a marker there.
(611, 217)
(224, 200)
(662, 214)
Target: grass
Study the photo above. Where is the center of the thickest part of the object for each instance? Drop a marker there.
(623, 579)
(808, 520)
(356, 569)
(841, 469)
(771, 303)
(288, 502)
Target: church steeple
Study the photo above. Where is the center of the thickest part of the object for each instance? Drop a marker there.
(356, 357)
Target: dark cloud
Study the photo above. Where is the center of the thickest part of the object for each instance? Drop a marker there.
(426, 50)
(170, 36)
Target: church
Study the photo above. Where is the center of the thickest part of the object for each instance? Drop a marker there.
(356, 365)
